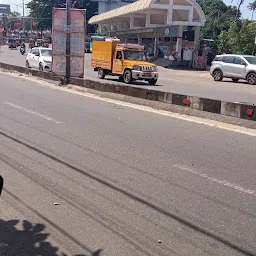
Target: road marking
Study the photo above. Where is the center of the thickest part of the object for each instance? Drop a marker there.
(221, 182)
(48, 118)
(83, 92)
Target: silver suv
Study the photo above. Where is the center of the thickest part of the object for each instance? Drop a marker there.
(235, 67)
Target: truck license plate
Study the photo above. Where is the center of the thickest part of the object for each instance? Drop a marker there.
(147, 73)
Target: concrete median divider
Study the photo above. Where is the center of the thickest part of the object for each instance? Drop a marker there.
(31, 72)
(185, 104)
(231, 109)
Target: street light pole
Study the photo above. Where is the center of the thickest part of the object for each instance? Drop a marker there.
(68, 4)
(23, 14)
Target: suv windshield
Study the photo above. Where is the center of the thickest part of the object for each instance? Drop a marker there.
(46, 53)
(134, 55)
(251, 60)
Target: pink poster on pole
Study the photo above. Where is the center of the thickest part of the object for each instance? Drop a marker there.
(77, 36)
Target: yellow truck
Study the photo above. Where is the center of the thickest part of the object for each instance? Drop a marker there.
(124, 60)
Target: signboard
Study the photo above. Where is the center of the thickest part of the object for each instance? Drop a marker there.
(17, 24)
(5, 9)
(77, 35)
(148, 32)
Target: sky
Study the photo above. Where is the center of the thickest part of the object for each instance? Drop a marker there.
(245, 12)
(16, 5)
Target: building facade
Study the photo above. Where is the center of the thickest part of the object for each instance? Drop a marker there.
(169, 29)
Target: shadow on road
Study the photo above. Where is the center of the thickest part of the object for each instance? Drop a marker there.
(30, 239)
(136, 82)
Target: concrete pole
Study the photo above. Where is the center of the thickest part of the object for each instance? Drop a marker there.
(155, 41)
(169, 13)
(68, 3)
(179, 42)
(197, 37)
(23, 15)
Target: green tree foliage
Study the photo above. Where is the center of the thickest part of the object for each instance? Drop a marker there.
(252, 8)
(223, 24)
(219, 17)
(11, 19)
(91, 7)
(42, 10)
(238, 39)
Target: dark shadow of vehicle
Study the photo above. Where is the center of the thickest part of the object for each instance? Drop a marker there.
(227, 80)
(29, 240)
(136, 82)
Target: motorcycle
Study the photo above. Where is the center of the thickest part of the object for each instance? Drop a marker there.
(22, 50)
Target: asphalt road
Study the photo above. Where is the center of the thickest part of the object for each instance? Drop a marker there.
(89, 177)
(194, 83)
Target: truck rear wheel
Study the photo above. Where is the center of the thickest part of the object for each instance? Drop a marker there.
(101, 73)
(127, 76)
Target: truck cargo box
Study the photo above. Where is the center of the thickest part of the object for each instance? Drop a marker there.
(102, 54)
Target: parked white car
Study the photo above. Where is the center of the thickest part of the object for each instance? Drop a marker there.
(235, 67)
(39, 57)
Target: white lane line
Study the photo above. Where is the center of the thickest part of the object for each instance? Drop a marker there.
(48, 118)
(221, 182)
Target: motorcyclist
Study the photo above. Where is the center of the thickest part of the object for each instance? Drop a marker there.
(23, 47)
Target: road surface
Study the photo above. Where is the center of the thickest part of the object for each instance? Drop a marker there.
(193, 83)
(90, 177)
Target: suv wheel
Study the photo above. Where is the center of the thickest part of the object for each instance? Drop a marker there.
(152, 81)
(41, 68)
(251, 78)
(27, 64)
(217, 75)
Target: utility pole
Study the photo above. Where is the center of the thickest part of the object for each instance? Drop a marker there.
(68, 4)
(23, 14)
(31, 27)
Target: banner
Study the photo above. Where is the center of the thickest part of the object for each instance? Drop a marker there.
(77, 38)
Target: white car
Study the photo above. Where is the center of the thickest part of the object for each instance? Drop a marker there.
(40, 58)
(235, 67)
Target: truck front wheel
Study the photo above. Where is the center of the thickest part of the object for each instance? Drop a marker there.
(152, 81)
(101, 73)
(127, 76)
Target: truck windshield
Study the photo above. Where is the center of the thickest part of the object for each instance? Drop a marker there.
(134, 55)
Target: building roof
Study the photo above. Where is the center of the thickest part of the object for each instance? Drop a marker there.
(138, 6)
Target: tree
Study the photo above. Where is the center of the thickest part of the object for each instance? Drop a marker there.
(12, 18)
(42, 10)
(238, 8)
(219, 16)
(91, 7)
(239, 39)
(252, 7)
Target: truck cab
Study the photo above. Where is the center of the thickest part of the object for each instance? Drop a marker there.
(127, 61)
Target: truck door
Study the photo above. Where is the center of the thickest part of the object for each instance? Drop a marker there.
(118, 63)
